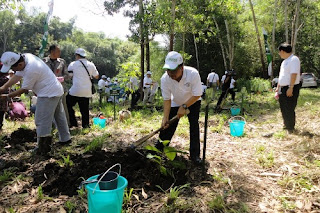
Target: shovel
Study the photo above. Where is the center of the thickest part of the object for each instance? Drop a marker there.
(145, 138)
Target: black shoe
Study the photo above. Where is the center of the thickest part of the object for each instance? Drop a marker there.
(196, 160)
(62, 143)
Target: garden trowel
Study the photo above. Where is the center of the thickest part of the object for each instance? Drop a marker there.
(145, 138)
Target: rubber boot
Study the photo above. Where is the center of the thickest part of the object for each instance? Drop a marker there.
(44, 145)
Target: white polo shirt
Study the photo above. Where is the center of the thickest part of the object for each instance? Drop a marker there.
(102, 84)
(146, 81)
(81, 83)
(289, 66)
(39, 78)
(213, 77)
(180, 92)
(134, 83)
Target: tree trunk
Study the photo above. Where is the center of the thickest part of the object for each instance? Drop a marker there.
(196, 48)
(173, 14)
(141, 12)
(286, 20)
(296, 28)
(274, 33)
(230, 45)
(221, 45)
(183, 41)
(264, 72)
(148, 52)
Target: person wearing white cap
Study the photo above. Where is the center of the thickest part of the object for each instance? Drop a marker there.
(38, 77)
(147, 82)
(102, 86)
(82, 71)
(102, 82)
(181, 90)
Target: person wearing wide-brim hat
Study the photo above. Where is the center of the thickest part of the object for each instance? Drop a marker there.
(38, 77)
(181, 90)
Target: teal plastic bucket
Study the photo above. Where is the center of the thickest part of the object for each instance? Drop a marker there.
(235, 111)
(237, 125)
(99, 122)
(96, 121)
(110, 201)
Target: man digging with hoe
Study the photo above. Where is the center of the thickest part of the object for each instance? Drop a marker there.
(181, 90)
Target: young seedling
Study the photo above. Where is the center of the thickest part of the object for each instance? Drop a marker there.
(40, 195)
(174, 192)
(70, 206)
(159, 157)
(65, 162)
(127, 196)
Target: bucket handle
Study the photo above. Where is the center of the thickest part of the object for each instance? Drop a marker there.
(117, 164)
(231, 119)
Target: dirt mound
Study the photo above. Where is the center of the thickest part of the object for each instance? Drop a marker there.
(22, 135)
(136, 168)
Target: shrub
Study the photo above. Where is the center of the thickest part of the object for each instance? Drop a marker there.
(254, 84)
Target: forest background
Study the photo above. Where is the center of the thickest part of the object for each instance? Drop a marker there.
(220, 34)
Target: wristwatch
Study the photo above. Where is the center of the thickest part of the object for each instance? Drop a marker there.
(184, 106)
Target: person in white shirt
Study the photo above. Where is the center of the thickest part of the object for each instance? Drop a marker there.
(102, 83)
(147, 83)
(80, 92)
(135, 94)
(212, 79)
(288, 85)
(38, 77)
(181, 90)
(213, 82)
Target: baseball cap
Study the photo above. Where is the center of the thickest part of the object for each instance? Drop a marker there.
(8, 59)
(108, 79)
(149, 73)
(81, 52)
(173, 60)
(103, 76)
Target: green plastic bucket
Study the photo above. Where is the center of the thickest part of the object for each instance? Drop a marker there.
(237, 124)
(105, 200)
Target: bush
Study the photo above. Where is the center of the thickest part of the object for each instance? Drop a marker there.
(254, 84)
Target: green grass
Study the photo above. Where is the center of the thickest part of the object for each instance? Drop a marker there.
(297, 183)
(6, 176)
(280, 134)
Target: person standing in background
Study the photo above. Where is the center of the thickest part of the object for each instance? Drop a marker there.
(213, 82)
(147, 82)
(81, 70)
(288, 86)
(135, 94)
(59, 69)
